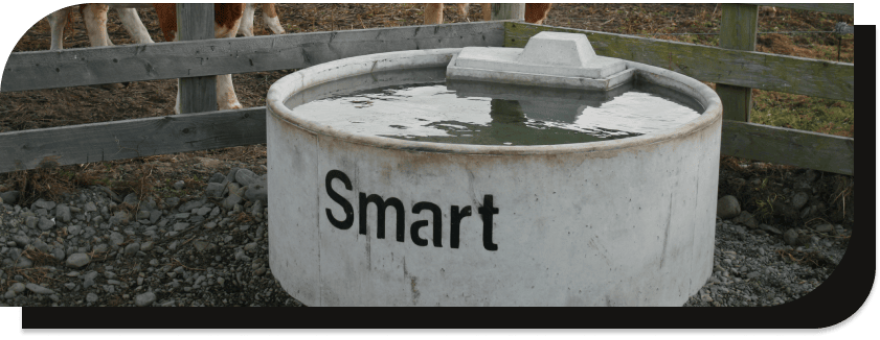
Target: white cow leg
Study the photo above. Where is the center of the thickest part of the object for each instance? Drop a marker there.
(133, 24)
(463, 11)
(177, 101)
(95, 16)
(247, 21)
(57, 21)
(433, 14)
(226, 98)
(270, 18)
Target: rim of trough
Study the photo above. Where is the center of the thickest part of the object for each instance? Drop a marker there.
(340, 69)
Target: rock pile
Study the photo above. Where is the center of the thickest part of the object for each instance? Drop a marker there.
(95, 248)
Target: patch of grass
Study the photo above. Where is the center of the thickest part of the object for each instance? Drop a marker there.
(40, 258)
(803, 113)
(45, 183)
(810, 258)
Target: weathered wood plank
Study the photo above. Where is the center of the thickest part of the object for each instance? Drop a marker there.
(788, 146)
(827, 8)
(196, 22)
(509, 11)
(739, 31)
(78, 67)
(77, 144)
(771, 72)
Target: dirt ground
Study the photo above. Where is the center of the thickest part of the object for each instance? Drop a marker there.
(152, 175)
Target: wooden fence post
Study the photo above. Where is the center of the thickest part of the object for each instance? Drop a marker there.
(739, 31)
(195, 21)
(509, 11)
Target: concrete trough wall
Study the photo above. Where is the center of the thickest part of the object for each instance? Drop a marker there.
(626, 222)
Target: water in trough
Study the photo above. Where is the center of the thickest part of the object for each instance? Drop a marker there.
(464, 112)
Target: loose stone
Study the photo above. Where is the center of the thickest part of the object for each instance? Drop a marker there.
(825, 228)
(46, 224)
(17, 287)
(799, 200)
(116, 238)
(216, 190)
(728, 207)
(132, 249)
(180, 226)
(145, 299)
(89, 279)
(10, 197)
(39, 289)
(62, 212)
(192, 204)
(78, 260)
(790, 237)
(230, 201)
(31, 222)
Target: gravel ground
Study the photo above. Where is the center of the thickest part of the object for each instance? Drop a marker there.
(94, 248)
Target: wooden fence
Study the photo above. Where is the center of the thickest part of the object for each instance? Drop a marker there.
(736, 68)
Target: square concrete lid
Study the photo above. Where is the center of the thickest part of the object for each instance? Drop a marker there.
(546, 53)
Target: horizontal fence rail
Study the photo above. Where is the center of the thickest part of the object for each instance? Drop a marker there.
(827, 8)
(87, 143)
(771, 72)
(104, 65)
(78, 144)
(778, 145)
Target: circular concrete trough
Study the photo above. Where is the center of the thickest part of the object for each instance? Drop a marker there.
(627, 222)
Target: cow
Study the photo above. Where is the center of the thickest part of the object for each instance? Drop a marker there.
(270, 19)
(229, 20)
(535, 13)
(95, 17)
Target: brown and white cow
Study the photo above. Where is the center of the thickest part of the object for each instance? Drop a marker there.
(535, 13)
(228, 21)
(95, 17)
(270, 19)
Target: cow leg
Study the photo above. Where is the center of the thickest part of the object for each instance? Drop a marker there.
(133, 24)
(226, 98)
(95, 16)
(177, 101)
(463, 11)
(270, 18)
(487, 12)
(537, 13)
(57, 21)
(247, 21)
(433, 14)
